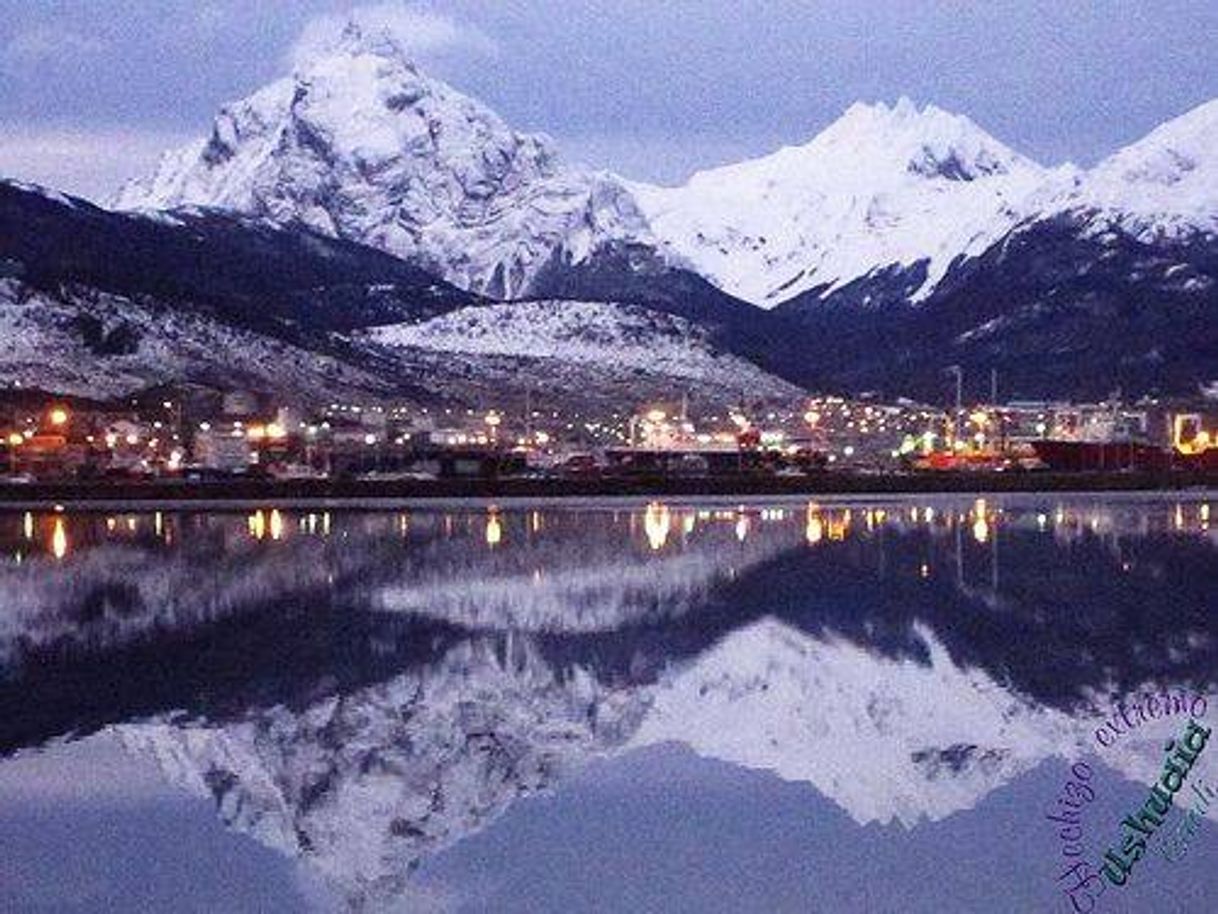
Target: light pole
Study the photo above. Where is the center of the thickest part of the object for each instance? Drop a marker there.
(959, 373)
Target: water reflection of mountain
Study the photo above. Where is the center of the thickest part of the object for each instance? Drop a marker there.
(1059, 618)
(212, 614)
(363, 784)
(362, 690)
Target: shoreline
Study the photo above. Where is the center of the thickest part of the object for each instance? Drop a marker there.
(250, 491)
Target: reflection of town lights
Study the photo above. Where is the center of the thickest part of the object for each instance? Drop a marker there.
(276, 525)
(494, 529)
(742, 527)
(27, 525)
(657, 523)
(839, 527)
(59, 539)
(924, 571)
(257, 525)
(814, 531)
(981, 525)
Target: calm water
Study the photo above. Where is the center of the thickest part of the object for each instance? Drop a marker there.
(845, 706)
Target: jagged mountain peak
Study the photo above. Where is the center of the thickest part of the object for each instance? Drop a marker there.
(353, 40)
(933, 142)
(361, 144)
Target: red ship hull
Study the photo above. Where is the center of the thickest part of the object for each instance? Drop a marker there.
(1204, 462)
(1083, 456)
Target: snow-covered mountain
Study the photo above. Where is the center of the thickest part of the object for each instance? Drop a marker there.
(1165, 186)
(358, 143)
(881, 187)
(908, 226)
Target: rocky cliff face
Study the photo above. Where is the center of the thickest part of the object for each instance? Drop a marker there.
(359, 144)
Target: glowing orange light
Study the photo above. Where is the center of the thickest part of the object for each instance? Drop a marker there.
(59, 539)
(657, 523)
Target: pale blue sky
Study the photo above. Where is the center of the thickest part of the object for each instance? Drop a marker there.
(92, 90)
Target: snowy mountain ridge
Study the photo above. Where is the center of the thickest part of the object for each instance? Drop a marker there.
(358, 143)
(880, 186)
(1163, 186)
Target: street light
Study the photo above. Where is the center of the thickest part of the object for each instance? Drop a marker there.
(59, 417)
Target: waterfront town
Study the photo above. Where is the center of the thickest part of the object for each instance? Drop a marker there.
(167, 435)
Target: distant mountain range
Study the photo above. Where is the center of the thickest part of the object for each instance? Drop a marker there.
(892, 245)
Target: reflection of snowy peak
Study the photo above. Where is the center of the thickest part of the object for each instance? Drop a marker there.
(883, 739)
(880, 187)
(359, 144)
(361, 787)
(598, 583)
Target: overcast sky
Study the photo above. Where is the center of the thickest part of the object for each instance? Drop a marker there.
(91, 91)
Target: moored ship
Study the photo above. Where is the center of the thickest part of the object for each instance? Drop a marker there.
(1104, 440)
(1097, 445)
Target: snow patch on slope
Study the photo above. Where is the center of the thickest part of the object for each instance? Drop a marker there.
(626, 337)
(43, 348)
